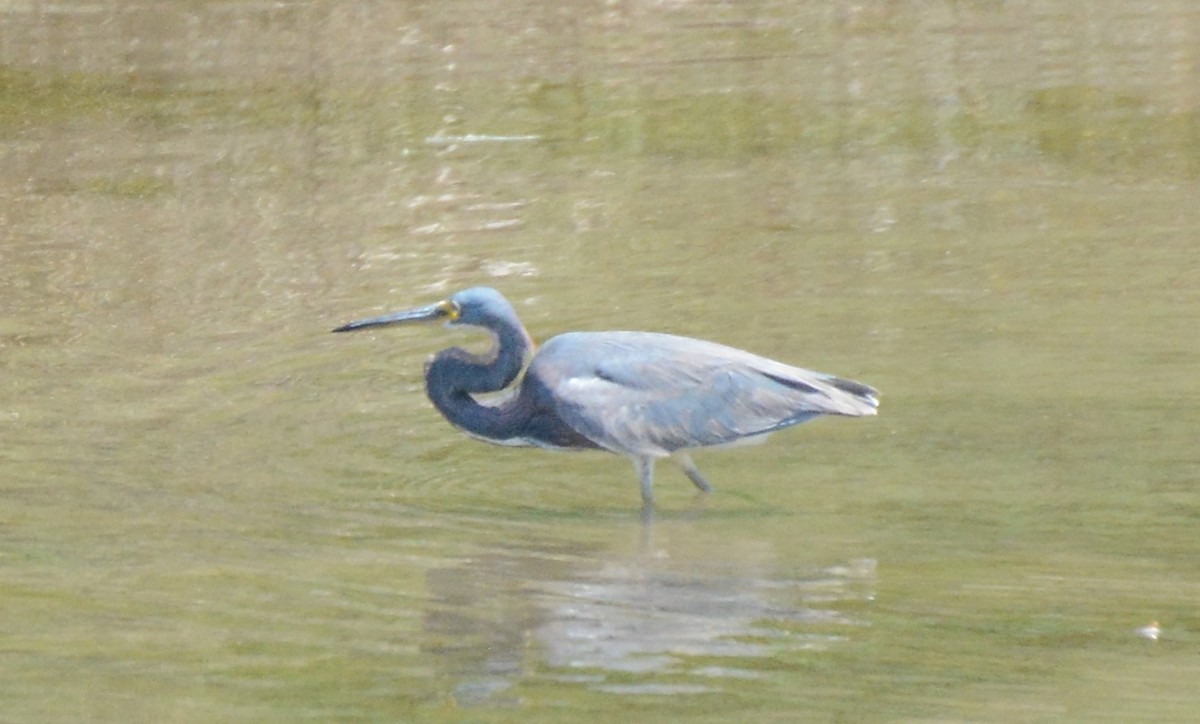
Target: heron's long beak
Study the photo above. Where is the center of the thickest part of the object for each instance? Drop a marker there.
(432, 313)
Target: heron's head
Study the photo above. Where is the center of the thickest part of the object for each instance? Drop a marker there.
(481, 307)
(477, 307)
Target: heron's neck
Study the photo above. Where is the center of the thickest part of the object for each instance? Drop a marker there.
(455, 375)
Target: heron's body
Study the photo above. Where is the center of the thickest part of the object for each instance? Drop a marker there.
(638, 394)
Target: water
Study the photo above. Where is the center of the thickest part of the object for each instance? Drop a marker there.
(212, 509)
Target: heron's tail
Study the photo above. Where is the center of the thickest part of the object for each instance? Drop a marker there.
(860, 399)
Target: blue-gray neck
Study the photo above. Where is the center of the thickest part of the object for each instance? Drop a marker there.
(454, 375)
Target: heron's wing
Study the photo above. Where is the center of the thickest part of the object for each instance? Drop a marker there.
(651, 394)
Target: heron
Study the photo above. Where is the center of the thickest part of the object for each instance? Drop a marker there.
(643, 395)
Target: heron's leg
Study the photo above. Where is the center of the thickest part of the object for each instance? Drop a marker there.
(689, 468)
(645, 472)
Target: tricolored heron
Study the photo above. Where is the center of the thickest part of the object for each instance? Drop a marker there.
(639, 394)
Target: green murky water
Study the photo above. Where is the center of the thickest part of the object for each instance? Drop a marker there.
(213, 510)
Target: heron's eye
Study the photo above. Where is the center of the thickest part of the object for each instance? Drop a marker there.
(451, 310)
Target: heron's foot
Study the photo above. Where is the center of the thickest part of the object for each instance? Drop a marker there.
(697, 507)
(689, 469)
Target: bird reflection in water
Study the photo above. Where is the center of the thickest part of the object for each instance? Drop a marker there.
(641, 624)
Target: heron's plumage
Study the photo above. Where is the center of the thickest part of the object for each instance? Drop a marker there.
(639, 394)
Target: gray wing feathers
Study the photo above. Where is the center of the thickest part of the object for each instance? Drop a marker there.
(651, 394)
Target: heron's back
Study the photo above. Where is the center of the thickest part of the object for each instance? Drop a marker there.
(644, 393)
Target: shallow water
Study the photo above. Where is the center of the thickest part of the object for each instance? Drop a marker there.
(212, 509)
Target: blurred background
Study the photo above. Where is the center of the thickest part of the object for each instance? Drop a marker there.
(212, 509)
